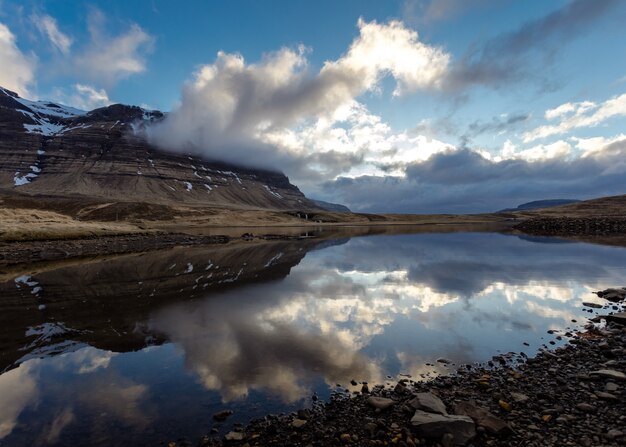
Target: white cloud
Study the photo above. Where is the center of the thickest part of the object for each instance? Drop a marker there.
(84, 97)
(18, 70)
(111, 58)
(277, 114)
(48, 27)
(577, 115)
(540, 152)
(18, 389)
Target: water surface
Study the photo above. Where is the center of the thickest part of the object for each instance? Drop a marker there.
(146, 348)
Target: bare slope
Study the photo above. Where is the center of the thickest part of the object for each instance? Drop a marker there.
(46, 148)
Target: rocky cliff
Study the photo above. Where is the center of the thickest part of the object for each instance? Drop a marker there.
(50, 149)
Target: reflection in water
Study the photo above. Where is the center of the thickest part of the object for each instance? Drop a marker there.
(146, 347)
(235, 347)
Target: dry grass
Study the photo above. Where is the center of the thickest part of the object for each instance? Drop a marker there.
(18, 224)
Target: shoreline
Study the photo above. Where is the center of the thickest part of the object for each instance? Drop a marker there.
(157, 237)
(572, 395)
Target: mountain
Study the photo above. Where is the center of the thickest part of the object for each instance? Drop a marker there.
(538, 204)
(335, 207)
(51, 149)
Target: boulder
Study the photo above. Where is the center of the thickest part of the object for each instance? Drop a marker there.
(428, 402)
(380, 403)
(430, 425)
(484, 418)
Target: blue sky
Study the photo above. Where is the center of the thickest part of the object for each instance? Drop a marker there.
(350, 98)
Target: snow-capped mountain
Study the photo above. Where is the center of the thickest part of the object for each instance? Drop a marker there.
(52, 149)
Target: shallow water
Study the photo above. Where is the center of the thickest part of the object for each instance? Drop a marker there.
(146, 348)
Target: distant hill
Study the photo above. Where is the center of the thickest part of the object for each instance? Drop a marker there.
(538, 204)
(335, 207)
(614, 206)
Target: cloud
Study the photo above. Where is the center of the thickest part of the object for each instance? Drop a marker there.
(465, 181)
(19, 390)
(18, 69)
(110, 58)
(502, 58)
(255, 114)
(84, 97)
(577, 115)
(47, 26)
(426, 11)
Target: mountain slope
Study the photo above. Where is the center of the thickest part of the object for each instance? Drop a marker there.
(47, 148)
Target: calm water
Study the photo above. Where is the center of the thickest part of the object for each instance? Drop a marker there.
(145, 348)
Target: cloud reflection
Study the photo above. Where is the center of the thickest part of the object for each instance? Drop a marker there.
(377, 305)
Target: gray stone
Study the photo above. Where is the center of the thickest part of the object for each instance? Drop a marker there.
(614, 433)
(380, 403)
(298, 423)
(443, 360)
(483, 418)
(611, 387)
(428, 402)
(519, 397)
(609, 374)
(605, 396)
(435, 426)
(234, 436)
(587, 408)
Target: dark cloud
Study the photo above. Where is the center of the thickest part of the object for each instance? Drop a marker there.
(503, 58)
(463, 181)
(497, 124)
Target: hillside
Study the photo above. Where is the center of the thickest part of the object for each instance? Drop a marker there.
(614, 206)
(51, 149)
(538, 204)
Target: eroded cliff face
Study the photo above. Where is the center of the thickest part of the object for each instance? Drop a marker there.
(46, 148)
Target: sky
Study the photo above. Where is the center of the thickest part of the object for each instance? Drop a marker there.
(416, 106)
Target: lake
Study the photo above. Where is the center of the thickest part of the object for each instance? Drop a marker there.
(145, 348)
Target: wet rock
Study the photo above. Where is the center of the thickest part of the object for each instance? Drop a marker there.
(483, 418)
(613, 295)
(435, 426)
(593, 305)
(380, 403)
(619, 318)
(443, 360)
(428, 402)
(222, 415)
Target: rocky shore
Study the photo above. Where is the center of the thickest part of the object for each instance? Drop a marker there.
(573, 226)
(574, 395)
(35, 251)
